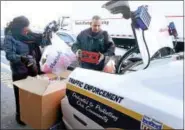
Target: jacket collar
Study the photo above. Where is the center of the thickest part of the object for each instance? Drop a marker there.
(88, 32)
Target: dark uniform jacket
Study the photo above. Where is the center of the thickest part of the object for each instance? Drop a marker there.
(101, 42)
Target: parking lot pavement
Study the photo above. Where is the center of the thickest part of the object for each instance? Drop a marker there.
(7, 98)
(8, 107)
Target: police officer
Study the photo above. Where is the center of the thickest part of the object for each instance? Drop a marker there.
(94, 39)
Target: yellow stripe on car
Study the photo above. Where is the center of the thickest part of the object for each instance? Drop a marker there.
(115, 106)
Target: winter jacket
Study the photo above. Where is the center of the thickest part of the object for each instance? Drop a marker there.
(15, 48)
(101, 42)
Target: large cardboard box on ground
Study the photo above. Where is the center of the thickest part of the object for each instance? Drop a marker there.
(40, 99)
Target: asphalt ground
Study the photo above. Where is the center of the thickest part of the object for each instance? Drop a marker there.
(7, 98)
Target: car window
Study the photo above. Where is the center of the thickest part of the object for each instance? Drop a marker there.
(74, 36)
(66, 38)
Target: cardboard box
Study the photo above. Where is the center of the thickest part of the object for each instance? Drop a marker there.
(40, 100)
(51, 76)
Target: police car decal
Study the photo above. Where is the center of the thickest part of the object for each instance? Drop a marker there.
(148, 123)
(96, 90)
(105, 109)
(104, 115)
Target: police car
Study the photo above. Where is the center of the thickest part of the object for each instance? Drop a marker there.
(147, 94)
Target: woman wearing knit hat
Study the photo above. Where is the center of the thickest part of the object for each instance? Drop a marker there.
(23, 52)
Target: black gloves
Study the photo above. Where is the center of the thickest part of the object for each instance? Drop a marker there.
(51, 27)
(31, 64)
(27, 60)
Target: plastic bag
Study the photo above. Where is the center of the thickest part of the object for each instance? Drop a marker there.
(56, 57)
(110, 66)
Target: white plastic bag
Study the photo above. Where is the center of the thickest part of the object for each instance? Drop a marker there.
(110, 66)
(56, 57)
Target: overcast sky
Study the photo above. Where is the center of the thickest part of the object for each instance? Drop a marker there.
(38, 12)
(42, 12)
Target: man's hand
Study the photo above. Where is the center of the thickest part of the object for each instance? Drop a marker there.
(79, 53)
(101, 58)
